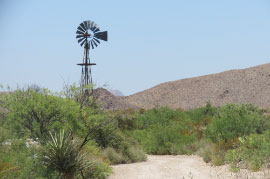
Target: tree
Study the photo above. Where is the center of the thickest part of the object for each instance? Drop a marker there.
(35, 113)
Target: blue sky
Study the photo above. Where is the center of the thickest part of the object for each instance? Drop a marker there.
(149, 42)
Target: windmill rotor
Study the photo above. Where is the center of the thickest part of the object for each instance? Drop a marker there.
(88, 32)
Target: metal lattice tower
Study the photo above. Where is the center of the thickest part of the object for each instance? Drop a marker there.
(88, 34)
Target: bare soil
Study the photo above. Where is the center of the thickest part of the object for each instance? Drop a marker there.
(179, 167)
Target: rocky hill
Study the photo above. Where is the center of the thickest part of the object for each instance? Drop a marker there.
(109, 101)
(251, 85)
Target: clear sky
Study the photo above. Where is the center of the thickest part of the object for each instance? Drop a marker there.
(149, 41)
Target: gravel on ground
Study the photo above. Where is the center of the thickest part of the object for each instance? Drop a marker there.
(179, 167)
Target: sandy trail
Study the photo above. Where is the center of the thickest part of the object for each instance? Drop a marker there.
(178, 167)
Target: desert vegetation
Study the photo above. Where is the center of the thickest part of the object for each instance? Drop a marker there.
(64, 135)
(234, 134)
(67, 135)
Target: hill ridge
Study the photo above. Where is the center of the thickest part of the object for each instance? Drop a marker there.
(248, 85)
(200, 77)
(232, 86)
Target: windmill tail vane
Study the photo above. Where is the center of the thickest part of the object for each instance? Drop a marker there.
(89, 35)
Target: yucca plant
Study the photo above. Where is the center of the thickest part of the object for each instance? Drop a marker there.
(62, 155)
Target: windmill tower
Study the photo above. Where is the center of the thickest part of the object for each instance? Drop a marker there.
(88, 35)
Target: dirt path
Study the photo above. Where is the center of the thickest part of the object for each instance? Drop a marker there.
(178, 167)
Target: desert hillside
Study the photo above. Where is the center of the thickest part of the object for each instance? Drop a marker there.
(251, 85)
(107, 100)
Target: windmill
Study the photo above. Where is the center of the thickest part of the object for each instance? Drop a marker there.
(89, 36)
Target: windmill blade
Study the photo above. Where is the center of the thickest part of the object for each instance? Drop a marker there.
(95, 31)
(79, 32)
(81, 29)
(86, 25)
(83, 26)
(79, 36)
(102, 35)
(79, 40)
(83, 42)
(90, 25)
(94, 28)
(94, 43)
(96, 40)
(93, 25)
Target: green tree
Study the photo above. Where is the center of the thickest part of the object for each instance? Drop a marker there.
(34, 112)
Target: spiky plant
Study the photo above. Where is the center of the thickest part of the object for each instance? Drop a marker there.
(62, 155)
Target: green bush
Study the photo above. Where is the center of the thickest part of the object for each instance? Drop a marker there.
(113, 156)
(161, 116)
(126, 118)
(97, 170)
(135, 154)
(163, 131)
(33, 113)
(19, 161)
(207, 156)
(254, 151)
(99, 166)
(233, 121)
(124, 150)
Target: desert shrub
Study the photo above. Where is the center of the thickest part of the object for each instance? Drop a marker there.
(97, 170)
(197, 114)
(228, 124)
(33, 113)
(126, 119)
(102, 129)
(99, 167)
(168, 131)
(127, 154)
(154, 116)
(125, 150)
(113, 156)
(217, 159)
(119, 148)
(234, 121)
(210, 152)
(207, 156)
(135, 154)
(254, 151)
(17, 160)
(164, 131)
(209, 109)
(222, 127)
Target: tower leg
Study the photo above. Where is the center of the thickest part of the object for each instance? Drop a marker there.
(86, 76)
